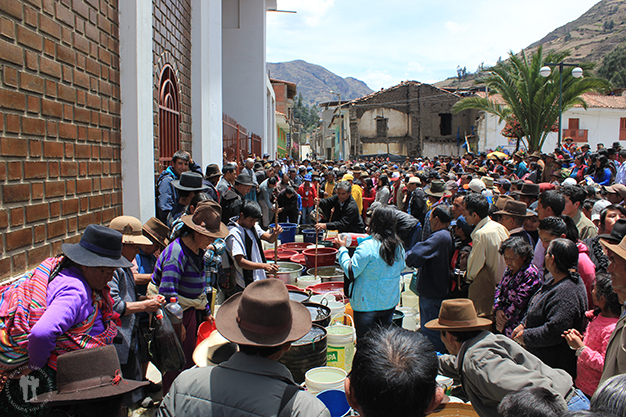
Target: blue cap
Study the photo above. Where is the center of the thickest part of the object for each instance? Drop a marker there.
(462, 223)
(308, 177)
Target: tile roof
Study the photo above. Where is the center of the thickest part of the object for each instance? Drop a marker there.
(593, 100)
(395, 87)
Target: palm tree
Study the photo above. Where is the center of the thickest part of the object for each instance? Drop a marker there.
(531, 99)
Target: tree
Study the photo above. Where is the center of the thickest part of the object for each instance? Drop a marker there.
(308, 116)
(531, 98)
(614, 67)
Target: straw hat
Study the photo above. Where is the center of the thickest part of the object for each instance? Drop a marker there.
(458, 315)
(263, 315)
(213, 350)
(131, 230)
(488, 181)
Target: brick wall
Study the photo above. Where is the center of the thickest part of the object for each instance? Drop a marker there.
(60, 167)
(171, 44)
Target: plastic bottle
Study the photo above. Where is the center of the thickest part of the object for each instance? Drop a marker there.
(175, 311)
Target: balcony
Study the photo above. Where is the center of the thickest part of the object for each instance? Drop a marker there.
(578, 135)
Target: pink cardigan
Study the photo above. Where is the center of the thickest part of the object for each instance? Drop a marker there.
(591, 361)
(586, 269)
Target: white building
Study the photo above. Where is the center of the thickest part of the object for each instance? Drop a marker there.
(604, 121)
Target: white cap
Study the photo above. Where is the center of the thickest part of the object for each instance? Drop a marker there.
(477, 185)
(569, 181)
(598, 207)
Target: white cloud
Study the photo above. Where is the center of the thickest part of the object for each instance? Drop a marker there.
(454, 28)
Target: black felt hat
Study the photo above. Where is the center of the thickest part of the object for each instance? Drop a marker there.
(98, 247)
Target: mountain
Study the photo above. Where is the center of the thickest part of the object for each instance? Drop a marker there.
(315, 82)
(589, 38)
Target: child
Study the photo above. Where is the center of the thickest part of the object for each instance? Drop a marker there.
(592, 348)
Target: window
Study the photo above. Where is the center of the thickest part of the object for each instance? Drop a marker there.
(169, 116)
(574, 124)
(381, 127)
(622, 128)
(445, 125)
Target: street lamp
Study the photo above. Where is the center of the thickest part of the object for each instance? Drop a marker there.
(546, 70)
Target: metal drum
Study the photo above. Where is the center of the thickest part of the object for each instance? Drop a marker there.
(320, 314)
(307, 353)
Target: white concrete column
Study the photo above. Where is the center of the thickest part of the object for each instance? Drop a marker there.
(136, 92)
(206, 81)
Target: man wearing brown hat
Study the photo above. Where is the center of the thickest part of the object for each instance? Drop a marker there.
(264, 322)
(435, 194)
(512, 216)
(491, 366)
(211, 178)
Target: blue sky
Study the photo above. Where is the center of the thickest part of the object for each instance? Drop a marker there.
(385, 42)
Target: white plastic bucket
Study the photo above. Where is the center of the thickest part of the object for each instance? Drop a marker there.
(324, 378)
(337, 310)
(411, 317)
(340, 345)
(306, 280)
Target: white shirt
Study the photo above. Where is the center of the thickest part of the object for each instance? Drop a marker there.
(236, 245)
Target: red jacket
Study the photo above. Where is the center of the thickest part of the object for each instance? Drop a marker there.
(308, 194)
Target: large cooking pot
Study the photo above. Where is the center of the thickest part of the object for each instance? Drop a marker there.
(287, 272)
(328, 273)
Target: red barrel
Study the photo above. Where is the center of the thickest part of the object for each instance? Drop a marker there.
(325, 256)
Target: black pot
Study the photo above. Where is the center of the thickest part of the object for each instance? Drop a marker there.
(306, 353)
(320, 314)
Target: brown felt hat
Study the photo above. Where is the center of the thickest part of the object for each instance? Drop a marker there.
(529, 189)
(263, 315)
(502, 200)
(88, 374)
(515, 208)
(206, 219)
(458, 315)
(157, 231)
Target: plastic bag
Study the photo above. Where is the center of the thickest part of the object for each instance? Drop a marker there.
(166, 352)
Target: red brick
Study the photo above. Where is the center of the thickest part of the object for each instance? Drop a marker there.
(53, 149)
(64, 15)
(34, 148)
(92, 67)
(49, 67)
(67, 93)
(37, 255)
(107, 183)
(82, 151)
(31, 126)
(33, 104)
(49, 26)
(13, 147)
(19, 238)
(51, 88)
(69, 147)
(35, 169)
(68, 112)
(10, 76)
(5, 268)
(85, 220)
(67, 131)
(14, 170)
(17, 216)
(39, 232)
(52, 129)
(55, 209)
(82, 115)
(96, 184)
(51, 108)
(69, 169)
(55, 189)
(31, 82)
(53, 169)
(66, 55)
(83, 186)
(82, 169)
(12, 99)
(48, 47)
(4, 219)
(96, 202)
(29, 38)
(70, 206)
(94, 168)
(36, 191)
(19, 262)
(12, 7)
(16, 192)
(3, 170)
(11, 53)
(95, 135)
(83, 203)
(67, 74)
(37, 212)
(70, 187)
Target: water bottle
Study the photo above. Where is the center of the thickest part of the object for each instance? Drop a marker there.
(175, 311)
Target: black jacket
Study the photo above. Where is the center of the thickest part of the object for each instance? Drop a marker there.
(231, 203)
(346, 218)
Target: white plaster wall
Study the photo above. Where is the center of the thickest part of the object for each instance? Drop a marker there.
(437, 149)
(270, 144)
(375, 148)
(398, 122)
(602, 126)
(243, 63)
(136, 94)
(206, 81)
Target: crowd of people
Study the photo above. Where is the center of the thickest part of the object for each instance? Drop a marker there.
(520, 269)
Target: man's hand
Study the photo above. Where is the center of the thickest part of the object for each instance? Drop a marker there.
(340, 240)
(270, 268)
(277, 230)
(320, 226)
(153, 302)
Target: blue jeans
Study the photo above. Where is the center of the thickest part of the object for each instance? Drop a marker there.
(429, 310)
(579, 401)
(365, 320)
(306, 211)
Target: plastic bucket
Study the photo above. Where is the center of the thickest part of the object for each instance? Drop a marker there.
(307, 280)
(324, 378)
(409, 299)
(204, 330)
(336, 402)
(298, 258)
(306, 353)
(308, 235)
(325, 257)
(328, 273)
(337, 310)
(340, 351)
(410, 319)
(289, 232)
